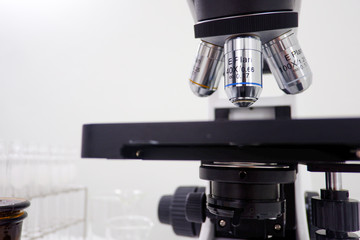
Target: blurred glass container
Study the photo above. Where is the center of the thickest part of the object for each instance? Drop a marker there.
(130, 200)
(129, 228)
(120, 203)
(101, 209)
(11, 217)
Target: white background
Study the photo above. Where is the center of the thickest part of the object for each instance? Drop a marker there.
(66, 63)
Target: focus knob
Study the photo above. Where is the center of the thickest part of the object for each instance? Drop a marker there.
(195, 207)
(172, 210)
(164, 209)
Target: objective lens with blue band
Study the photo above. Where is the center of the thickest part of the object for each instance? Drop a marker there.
(243, 69)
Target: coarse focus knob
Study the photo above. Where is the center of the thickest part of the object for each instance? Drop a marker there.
(172, 210)
(164, 209)
(195, 207)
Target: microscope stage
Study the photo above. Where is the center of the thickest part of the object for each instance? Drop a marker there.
(313, 141)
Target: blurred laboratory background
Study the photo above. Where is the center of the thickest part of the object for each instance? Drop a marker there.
(66, 63)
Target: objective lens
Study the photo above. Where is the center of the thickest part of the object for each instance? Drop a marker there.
(288, 64)
(243, 70)
(208, 69)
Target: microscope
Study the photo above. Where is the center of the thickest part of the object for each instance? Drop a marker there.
(240, 35)
(251, 165)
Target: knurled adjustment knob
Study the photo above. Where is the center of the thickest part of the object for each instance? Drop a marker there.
(195, 207)
(164, 209)
(334, 211)
(172, 210)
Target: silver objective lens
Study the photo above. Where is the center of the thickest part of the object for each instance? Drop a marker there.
(243, 70)
(288, 64)
(208, 69)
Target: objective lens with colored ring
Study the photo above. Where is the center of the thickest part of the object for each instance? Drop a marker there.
(208, 69)
(243, 69)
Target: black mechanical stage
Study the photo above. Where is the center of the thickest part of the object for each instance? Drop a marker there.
(322, 144)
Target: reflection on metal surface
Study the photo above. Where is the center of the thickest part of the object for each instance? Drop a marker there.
(208, 69)
(288, 64)
(243, 70)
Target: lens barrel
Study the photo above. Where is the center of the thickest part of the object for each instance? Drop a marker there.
(288, 64)
(242, 58)
(243, 69)
(208, 69)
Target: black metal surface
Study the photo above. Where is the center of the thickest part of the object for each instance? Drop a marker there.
(334, 167)
(247, 204)
(289, 195)
(251, 192)
(209, 9)
(336, 214)
(283, 113)
(222, 114)
(250, 229)
(309, 217)
(325, 141)
(248, 175)
(246, 24)
(328, 235)
(263, 153)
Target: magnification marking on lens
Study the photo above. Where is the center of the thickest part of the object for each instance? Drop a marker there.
(295, 61)
(243, 70)
(288, 64)
(241, 66)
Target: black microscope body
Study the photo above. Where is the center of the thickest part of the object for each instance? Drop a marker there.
(251, 167)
